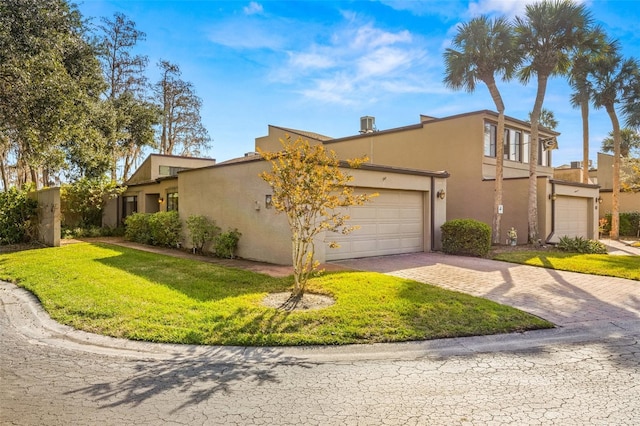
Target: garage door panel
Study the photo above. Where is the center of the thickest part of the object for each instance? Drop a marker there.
(571, 217)
(391, 223)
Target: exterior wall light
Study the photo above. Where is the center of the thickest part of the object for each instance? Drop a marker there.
(441, 194)
(553, 197)
(267, 201)
(160, 200)
(599, 199)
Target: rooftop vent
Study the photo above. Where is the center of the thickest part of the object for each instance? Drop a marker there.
(578, 164)
(367, 124)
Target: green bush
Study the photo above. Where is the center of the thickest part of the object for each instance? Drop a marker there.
(581, 245)
(628, 226)
(165, 229)
(202, 231)
(157, 229)
(18, 215)
(466, 237)
(138, 228)
(83, 201)
(227, 243)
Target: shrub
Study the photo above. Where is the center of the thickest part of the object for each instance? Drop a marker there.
(138, 228)
(466, 237)
(157, 229)
(202, 231)
(629, 224)
(227, 243)
(18, 215)
(165, 229)
(581, 245)
(91, 231)
(82, 202)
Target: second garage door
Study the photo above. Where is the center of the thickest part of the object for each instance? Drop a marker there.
(392, 223)
(571, 217)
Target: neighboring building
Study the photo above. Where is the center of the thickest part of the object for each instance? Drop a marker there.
(465, 146)
(628, 202)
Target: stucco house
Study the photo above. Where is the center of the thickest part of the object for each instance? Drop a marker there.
(404, 218)
(464, 145)
(628, 202)
(426, 173)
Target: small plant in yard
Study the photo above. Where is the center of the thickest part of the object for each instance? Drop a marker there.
(581, 245)
(227, 243)
(202, 231)
(602, 225)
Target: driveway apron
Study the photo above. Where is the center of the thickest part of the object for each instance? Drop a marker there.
(566, 299)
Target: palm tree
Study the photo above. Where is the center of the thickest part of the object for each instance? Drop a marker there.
(485, 48)
(595, 44)
(547, 119)
(611, 77)
(629, 142)
(547, 33)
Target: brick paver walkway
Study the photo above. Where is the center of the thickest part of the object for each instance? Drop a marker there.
(564, 298)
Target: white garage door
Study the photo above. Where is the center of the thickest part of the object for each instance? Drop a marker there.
(391, 223)
(572, 217)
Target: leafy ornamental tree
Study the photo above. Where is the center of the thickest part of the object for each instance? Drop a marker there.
(50, 83)
(629, 142)
(181, 126)
(83, 201)
(485, 49)
(611, 78)
(547, 34)
(310, 187)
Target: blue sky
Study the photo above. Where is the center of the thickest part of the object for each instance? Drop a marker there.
(321, 65)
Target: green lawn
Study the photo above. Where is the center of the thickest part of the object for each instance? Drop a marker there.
(137, 295)
(595, 264)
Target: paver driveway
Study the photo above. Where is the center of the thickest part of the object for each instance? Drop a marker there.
(564, 298)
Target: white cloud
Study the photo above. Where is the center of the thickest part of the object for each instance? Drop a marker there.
(509, 8)
(357, 62)
(246, 34)
(253, 8)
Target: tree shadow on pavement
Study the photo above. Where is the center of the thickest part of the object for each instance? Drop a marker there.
(193, 379)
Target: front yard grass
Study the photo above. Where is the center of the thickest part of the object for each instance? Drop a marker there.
(595, 264)
(127, 293)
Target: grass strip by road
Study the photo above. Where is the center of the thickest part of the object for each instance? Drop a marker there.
(595, 264)
(137, 295)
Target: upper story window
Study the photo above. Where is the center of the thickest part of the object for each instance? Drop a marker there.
(516, 145)
(169, 170)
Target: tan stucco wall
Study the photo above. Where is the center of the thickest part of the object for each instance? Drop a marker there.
(605, 171)
(48, 215)
(271, 142)
(234, 196)
(628, 202)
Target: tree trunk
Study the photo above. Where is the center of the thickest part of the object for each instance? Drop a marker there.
(584, 109)
(497, 192)
(614, 234)
(533, 160)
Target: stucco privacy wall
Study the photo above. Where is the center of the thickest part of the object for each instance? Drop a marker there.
(48, 226)
(628, 202)
(234, 196)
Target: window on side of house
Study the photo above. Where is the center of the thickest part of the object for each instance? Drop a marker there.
(490, 140)
(172, 201)
(515, 145)
(506, 145)
(526, 148)
(544, 156)
(129, 205)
